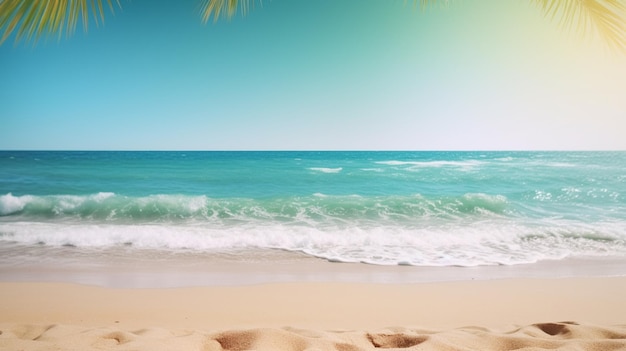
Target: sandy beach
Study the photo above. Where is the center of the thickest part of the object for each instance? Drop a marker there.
(503, 314)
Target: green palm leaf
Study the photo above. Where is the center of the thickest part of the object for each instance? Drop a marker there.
(424, 4)
(227, 8)
(223, 8)
(30, 19)
(606, 17)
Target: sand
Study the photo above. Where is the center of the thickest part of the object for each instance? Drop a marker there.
(504, 314)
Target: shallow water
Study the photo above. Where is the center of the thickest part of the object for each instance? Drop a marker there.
(383, 208)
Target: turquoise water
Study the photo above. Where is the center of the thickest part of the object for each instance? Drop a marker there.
(409, 208)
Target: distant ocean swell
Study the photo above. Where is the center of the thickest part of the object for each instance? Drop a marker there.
(465, 230)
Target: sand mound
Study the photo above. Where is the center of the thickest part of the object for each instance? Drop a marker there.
(541, 336)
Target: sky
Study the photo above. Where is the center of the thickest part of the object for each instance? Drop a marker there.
(315, 75)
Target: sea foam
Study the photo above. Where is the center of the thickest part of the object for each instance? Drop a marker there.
(326, 170)
(490, 243)
(10, 204)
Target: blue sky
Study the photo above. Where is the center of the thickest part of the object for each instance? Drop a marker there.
(315, 74)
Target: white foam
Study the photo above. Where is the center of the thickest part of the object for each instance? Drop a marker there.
(326, 170)
(377, 170)
(561, 164)
(460, 244)
(10, 204)
(393, 163)
(102, 196)
(435, 164)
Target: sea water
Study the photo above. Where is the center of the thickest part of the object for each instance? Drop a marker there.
(383, 208)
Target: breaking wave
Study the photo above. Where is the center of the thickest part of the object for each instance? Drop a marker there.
(466, 230)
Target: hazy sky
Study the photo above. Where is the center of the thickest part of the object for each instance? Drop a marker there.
(315, 74)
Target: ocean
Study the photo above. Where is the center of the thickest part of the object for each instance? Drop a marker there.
(381, 208)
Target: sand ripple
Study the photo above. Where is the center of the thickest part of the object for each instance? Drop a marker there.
(540, 336)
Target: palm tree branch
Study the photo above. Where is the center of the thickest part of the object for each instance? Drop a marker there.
(610, 24)
(30, 19)
(15, 9)
(606, 17)
(424, 4)
(224, 8)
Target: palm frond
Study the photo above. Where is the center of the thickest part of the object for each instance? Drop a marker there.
(605, 17)
(30, 19)
(424, 4)
(224, 8)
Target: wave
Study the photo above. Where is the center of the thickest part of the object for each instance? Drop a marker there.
(484, 243)
(465, 230)
(318, 208)
(464, 165)
(431, 163)
(102, 205)
(326, 170)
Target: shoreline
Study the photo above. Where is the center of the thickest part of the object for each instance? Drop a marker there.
(126, 299)
(284, 301)
(132, 268)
